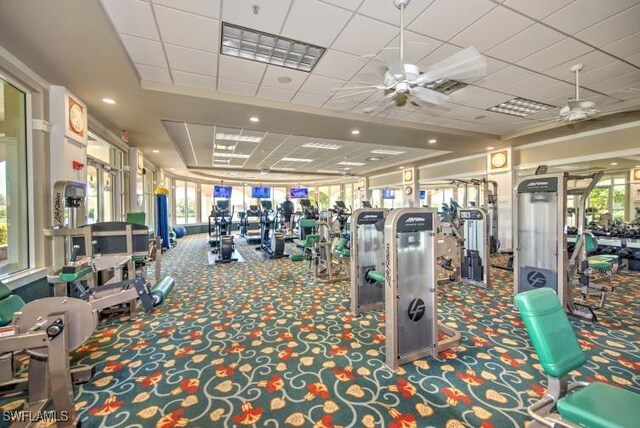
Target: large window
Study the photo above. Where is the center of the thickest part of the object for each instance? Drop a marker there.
(206, 201)
(104, 178)
(149, 199)
(335, 194)
(323, 197)
(192, 204)
(181, 197)
(14, 249)
(348, 196)
(93, 211)
(608, 196)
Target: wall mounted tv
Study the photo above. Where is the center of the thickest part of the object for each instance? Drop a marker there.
(298, 192)
(222, 192)
(388, 194)
(423, 195)
(261, 192)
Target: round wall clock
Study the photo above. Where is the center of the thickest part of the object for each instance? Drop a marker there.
(408, 190)
(76, 117)
(499, 160)
(636, 174)
(408, 175)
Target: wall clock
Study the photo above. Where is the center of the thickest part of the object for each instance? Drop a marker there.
(76, 118)
(499, 160)
(408, 190)
(636, 174)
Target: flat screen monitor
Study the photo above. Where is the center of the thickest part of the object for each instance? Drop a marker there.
(266, 205)
(423, 195)
(341, 205)
(366, 204)
(223, 192)
(261, 192)
(388, 194)
(222, 205)
(298, 192)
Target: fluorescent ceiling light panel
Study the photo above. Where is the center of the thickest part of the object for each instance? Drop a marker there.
(238, 137)
(325, 146)
(224, 147)
(351, 163)
(296, 160)
(388, 152)
(231, 155)
(268, 48)
(520, 107)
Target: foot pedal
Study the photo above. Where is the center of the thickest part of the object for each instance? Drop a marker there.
(584, 312)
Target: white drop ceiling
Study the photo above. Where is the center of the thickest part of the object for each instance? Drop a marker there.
(197, 146)
(529, 46)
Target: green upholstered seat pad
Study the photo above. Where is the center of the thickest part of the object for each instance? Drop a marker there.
(601, 406)
(304, 223)
(597, 262)
(8, 306)
(609, 257)
(343, 253)
(551, 334)
(308, 241)
(4, 291)
(70, 277)
(376, 275)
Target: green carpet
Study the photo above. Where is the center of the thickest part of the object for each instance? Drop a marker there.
(260, 344)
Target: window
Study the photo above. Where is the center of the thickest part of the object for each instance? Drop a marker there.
(376, 198)
(93, 210)
(206, 201)
(107, 195)
(278, 195)
(191, 202)
(335, 194)
(149, 199)
(348, 195)
(14, 247)
(181, 210)
(313, 196)
(608, 196)
(323, 197)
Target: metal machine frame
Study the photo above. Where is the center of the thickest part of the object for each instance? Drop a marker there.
(327, 267)
(476, 247)
(366, 245)
(551, 188)
(411, 315)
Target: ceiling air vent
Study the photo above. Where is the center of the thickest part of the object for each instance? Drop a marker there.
(268, 48)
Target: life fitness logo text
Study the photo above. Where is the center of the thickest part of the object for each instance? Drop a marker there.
(416, 309)
(411, 220)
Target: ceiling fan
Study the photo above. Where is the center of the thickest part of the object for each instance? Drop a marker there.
(576, 109)
(404, 82)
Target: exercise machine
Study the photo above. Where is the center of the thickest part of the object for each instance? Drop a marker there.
(47, 330)
(220, 238)
(411, 305)
(367, 259)
(108, 267)
(250, 224)
(565, 403)
(309, 212)
(450, 242)
(271, 240)
(541, 257)
(331, 254)
(343, 215)
(474, 266)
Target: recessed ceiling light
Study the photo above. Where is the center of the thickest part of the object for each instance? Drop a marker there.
(400, 167)
(433, 141)
(325, 146)
(490, 148)
(223, 147)
(374, 158)
(238, 137)
(284, 79)
(351, 163)
(355, 132)
(254, 119)
(388, 152)
(268, 48)
(614, 163)
(108, 101)
(155, 151)
(296, 160)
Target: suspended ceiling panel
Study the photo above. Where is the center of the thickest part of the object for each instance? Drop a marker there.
(529, 46)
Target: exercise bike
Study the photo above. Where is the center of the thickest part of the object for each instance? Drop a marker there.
(220, 238)
(271, 245)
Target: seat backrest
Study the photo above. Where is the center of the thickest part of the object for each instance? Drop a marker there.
(311, 239)
(341, 244)
(590, 243)
(9, 304)
(551, 334)
(306, 223)
(137, 218)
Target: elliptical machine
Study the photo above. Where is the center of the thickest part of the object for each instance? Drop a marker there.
(220, 238)
(273, 246)
(309, 212)
(250, 224)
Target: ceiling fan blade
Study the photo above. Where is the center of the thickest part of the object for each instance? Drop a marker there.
(468, 64)
(391, 58)
(353, 94)
(386, 103)
(428, 95)
(352, 88)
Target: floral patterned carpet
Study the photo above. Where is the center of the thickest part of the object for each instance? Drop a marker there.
(261, 344)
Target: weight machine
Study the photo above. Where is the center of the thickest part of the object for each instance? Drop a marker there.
(367, 259)
(474, 267)
(411, 305)
(541, 256)
(331, 254)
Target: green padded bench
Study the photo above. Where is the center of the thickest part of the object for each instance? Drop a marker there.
(579, 404)
(604, 262)
(9, 304)
(306, 245)
(376, 276)
(341, 250)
